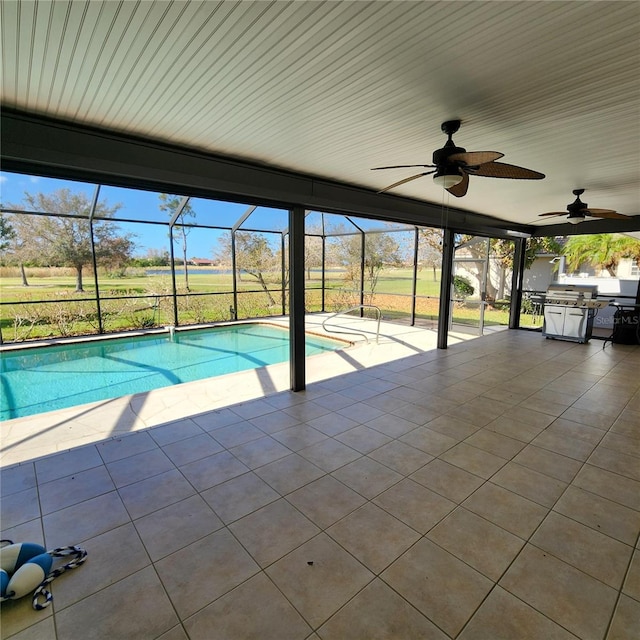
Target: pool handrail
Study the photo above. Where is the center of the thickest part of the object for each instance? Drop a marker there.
(358, 333)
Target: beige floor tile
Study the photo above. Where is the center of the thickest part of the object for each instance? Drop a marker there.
(473, 460)
(227, 617)
(330, 454)
(379, 613)
(624, 444)
(479, 411)
(481, 544)
(415, 505)
(197, 574)
(531, 417)
(191, 449)
(299, 436)
(600, 514)
(290, 473)
(318, 578)
(632, 582)
(391, 425)
(626, 619)
(332, 424)
(401, 457)
(506, 509)
(568, 596)
(416, 414)
(588, 418)
(616, 462)
(429, 441)
(155, 493)
(261, 451)
(237, 434)
(306, 412)
(175, 431)
(373, 536)
(495, 443)
(325, 501)
(18, 478)
(529, 484)
(564, 445)
(502, 616)
(177, 633)
(448, 480)
(252, 408)
(273, 531)
(70, 490)
(139, 467)
(65, 464)
(20, 507)
(510, 426)
(548, 462)
(576, 430)
(135, 607)
(272, 423)
(125, 446)
(212, 470)
(443, 588)
(363, 438)
(169, 529)
(367, 477)
(80, 522)
(239, 496)
(359, 411)
(580, 546)
(42, 630)
(112, 556)
(453, 427)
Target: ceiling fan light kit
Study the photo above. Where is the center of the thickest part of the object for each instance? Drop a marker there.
(447, 180)
(579, 211)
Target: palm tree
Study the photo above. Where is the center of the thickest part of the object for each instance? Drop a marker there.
(602, 251)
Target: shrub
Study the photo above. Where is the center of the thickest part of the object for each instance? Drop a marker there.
(462, 287)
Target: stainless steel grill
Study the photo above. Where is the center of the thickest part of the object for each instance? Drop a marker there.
(569, 310)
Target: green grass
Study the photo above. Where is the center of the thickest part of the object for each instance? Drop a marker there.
(64, 311)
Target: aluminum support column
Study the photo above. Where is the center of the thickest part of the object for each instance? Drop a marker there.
(414, 291)
(296, 299)
(446, 278)
(517, 276)
(94, 204)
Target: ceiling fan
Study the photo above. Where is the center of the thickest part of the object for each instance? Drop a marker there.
(453, 165)
(579, 211)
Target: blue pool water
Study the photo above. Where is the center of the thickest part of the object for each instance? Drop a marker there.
(54, 377)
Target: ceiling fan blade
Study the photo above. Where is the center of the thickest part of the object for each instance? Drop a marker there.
(605, 213)
(554, 213)
(404, 166)
(460, 189)
(474, 158)
(502, 170)
(397, 184)
(591, 211)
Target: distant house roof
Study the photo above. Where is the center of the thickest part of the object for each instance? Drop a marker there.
(202, 262)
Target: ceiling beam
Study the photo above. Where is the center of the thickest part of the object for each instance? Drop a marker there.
(45, 146)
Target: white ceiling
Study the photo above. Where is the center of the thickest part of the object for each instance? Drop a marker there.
(332, 89)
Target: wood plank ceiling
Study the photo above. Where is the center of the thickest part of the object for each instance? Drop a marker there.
(331, 89)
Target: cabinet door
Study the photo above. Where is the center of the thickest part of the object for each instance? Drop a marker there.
(553, 320)
(574, 323)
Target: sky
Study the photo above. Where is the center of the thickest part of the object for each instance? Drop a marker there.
(145, 205)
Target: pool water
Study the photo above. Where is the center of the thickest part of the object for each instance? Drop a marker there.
(42, 379)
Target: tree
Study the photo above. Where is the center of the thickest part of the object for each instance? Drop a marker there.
(65, 239)
(7, 233)
(602, 251)
(169, 204)
(380, 250)
(254, 257)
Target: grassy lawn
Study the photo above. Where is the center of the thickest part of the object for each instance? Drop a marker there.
(67, 312)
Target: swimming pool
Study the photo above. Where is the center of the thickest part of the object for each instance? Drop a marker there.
(41, 379)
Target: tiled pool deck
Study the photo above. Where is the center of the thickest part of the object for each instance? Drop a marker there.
(488, 491)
